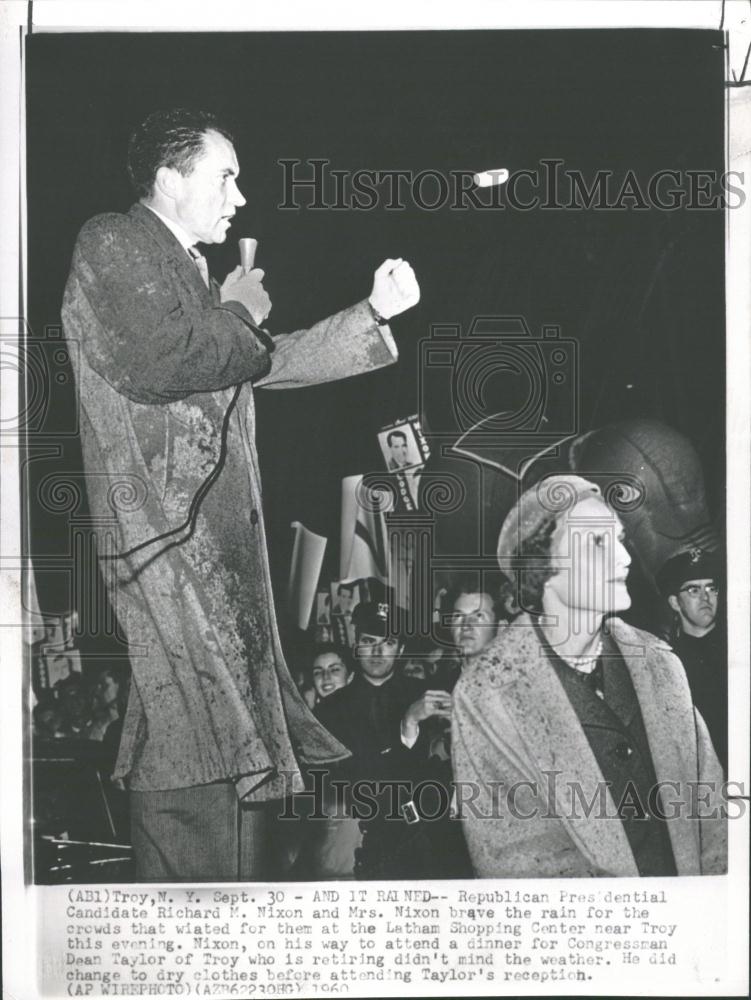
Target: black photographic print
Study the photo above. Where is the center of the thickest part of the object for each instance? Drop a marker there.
(461, 306)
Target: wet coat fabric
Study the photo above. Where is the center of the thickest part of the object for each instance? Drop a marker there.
(157, 359)
(514, 727)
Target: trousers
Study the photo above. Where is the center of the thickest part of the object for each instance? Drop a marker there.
(204, 833)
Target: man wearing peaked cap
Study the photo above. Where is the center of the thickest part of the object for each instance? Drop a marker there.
(690, 582)
(366, 715)
(377, 618)
(378, 717)
(693, 564)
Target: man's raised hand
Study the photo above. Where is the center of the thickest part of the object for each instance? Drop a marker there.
(428, 705)
(395, 288)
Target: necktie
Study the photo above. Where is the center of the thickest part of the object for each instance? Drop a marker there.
(379, 716)
(200, 261)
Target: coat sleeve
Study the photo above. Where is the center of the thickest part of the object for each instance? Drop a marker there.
(711, 804)
(144, 329)
(347, 343)
(504, 818)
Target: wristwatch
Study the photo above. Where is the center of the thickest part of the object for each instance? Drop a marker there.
(379, 320)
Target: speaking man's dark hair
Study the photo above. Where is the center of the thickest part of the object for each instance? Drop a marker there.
(172, 138)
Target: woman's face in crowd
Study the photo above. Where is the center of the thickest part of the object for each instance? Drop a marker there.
(591, 559)
(414, 668)
(329, 673)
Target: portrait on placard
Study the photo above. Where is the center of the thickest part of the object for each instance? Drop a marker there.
(403, 446)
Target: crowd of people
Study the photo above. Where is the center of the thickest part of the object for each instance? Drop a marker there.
(529, 674)
(83, 706)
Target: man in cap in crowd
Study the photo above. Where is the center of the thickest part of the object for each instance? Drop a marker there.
(379, 718)
(366, 715)
(690, 582)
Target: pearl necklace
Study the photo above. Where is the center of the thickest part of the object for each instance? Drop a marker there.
(583, 660)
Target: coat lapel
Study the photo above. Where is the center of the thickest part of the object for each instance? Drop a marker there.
(668, 716)
(172, 250)
(554, 738)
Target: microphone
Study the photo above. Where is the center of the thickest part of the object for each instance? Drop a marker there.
(248, 247)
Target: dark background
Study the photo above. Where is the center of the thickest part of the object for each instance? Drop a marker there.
(641, 291)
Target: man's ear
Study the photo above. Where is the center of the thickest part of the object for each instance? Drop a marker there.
(673, 602)
(167, 181)
(510, 606)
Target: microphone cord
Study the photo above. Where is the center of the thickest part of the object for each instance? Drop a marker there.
(189, 524)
